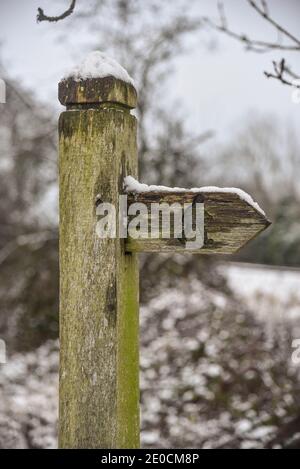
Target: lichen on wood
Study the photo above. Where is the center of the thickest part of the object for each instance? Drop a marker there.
(97, 90)
(99, 365)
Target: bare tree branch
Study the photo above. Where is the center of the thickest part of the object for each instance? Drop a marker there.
(264, 13)
(253, 44)
(281, 71)
(291, 73)
(222, 15)
(42, 17)
(265, 7)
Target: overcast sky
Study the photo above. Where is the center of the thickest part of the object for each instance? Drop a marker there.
(217, 89)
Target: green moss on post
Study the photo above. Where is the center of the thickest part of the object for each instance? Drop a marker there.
(99, 364)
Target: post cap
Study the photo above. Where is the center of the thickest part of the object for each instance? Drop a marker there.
(97, 90)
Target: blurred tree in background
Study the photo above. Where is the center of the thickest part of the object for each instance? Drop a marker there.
(264, 157)
(28, 238)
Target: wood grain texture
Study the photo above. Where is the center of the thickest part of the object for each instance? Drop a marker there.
(95, 91)
(99, 364)
(230, 223)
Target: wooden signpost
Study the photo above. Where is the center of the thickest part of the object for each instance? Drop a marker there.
(99, 338)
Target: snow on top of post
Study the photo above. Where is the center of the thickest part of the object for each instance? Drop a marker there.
(99, 65)
(134, 186)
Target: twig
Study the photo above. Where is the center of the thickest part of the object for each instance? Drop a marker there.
(264, 13)
(280, 70)
(265, 7)
(52, 19)
(253, 44)
(222, 15)
(291, 73)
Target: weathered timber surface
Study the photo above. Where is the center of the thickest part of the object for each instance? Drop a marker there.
(230, 223)
(99, 364)
(97, 90)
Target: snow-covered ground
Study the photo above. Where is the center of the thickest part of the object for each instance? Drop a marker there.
(29, 399)
(273, 293)
(209, 375)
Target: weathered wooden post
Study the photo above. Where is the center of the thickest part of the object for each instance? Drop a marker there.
(99, 390)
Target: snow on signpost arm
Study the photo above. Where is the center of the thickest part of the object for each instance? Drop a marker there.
(231, 218)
